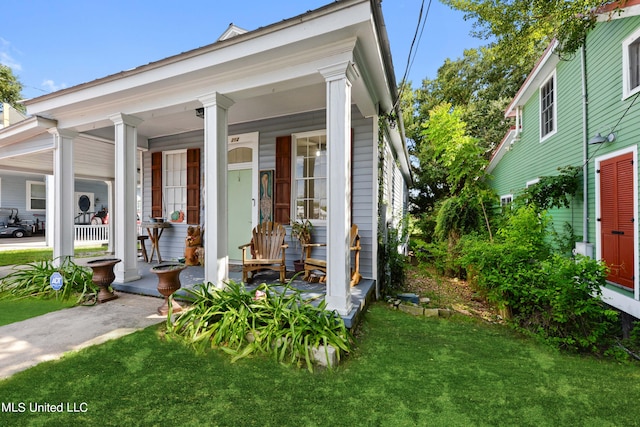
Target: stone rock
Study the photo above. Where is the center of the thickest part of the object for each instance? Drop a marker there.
(328, 358)
(412, 309)
(443, 312)
(431, 312)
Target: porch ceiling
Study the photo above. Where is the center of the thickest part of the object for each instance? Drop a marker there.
(270, 72)
(92, 160)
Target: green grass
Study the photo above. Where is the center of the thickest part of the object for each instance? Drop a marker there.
(407, 371)
(24, 256)
(17, 310)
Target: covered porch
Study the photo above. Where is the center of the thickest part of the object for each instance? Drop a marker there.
(193, 275)
(162, 135)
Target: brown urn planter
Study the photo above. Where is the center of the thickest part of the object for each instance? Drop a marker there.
(168, 283)
(103, 277)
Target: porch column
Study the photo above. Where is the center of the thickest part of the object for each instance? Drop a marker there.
(62, 223)
(124, 202)
(339, 78)
(216, 267)
(110, 202)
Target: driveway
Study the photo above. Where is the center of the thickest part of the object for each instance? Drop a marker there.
(12, 244)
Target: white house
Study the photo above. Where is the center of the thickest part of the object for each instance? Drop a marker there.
(311, 100)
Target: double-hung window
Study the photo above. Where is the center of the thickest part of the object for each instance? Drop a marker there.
(175, 184)
(631, 65)
(36, 196)
(310, 176)
(548, 107)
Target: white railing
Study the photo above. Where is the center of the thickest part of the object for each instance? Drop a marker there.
(92, 233)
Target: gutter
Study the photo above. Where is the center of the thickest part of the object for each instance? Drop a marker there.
(381, 32)
(585, 147)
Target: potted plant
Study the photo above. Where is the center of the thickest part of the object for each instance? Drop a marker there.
(301, 230)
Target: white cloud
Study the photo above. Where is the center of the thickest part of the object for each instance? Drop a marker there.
(6, 57)
(52, 86)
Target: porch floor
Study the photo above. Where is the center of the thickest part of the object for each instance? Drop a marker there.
(193, 275)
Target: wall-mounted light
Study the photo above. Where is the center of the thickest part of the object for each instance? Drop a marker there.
(599, 139)
(200, 112)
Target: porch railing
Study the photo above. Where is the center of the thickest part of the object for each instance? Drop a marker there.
(92, 233)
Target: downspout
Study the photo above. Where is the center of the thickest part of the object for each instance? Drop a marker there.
(585, 147)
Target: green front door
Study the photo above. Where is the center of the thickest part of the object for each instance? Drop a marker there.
(240, 209)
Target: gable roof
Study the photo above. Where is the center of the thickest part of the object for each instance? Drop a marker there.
(249, 65)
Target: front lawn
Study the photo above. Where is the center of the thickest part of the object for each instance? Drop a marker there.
(406, 371)
(17, 310)
(25, 256)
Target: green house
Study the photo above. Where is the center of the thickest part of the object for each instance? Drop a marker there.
(583, 111)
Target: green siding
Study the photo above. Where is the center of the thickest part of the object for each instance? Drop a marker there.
(606, 106)
(529, 158)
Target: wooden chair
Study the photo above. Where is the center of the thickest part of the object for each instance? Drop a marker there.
(268, 248)
(315, 264)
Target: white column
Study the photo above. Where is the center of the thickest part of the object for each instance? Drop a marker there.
(62, 225)
(216, 268)
(123, 213)
(110, 202)
(50, 210)
(339, 78)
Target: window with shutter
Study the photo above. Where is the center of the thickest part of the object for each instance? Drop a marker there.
(156, 184)
(282, 180)
(193, 186)
(179, 178)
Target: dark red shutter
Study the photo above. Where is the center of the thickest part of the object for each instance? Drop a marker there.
(193, 186)
(282, 180)
(156, 184)
(616, 218)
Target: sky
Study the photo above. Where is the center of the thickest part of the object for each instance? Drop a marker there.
(52, 45)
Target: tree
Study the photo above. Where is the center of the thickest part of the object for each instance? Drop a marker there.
(10, 88)
(524, 26)
(481, 83)
(478, 88)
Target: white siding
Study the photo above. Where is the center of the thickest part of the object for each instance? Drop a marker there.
(364, 152)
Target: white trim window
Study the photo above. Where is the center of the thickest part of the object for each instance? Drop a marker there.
(631, 65)
(532, 182)
(506, 200)
(175, 184)
(36, 196)
(548, 107)
(310, 176)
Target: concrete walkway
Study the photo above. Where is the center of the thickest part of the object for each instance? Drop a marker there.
(47, 337)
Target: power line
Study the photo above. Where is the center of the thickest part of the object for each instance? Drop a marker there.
(614, 127)
(417, 36)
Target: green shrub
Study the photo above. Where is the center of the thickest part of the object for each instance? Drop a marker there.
(393, 263)
(33, 280)
(242, 322)
(548, 295)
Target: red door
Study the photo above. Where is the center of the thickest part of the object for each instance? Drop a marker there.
(616, 218)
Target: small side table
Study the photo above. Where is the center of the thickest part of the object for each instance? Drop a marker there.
(154, 230)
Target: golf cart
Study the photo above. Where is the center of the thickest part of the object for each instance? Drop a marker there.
(11, 225)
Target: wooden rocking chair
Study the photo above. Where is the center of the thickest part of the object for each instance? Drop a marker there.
(315, 264)
(268, 248)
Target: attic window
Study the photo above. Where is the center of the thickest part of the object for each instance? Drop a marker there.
(631, 64)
